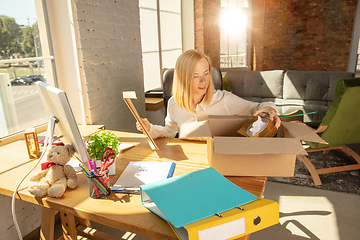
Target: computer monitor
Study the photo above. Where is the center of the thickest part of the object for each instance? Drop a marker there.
(57, 105)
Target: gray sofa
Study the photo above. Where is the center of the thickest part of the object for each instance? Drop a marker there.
(290, 90)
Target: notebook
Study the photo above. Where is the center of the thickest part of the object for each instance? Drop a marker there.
(138, 173)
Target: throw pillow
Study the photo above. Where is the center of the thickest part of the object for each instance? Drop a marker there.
(226, 85)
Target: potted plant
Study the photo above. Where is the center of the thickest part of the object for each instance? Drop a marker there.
(100, 141)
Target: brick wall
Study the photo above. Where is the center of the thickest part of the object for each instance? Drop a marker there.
(207, 29)
(302, 35)
(111, 60)
(199, 24)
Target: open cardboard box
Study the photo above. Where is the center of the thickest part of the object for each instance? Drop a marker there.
(232, 155)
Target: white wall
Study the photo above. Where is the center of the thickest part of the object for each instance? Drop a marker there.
(27, 214)
(110, 60)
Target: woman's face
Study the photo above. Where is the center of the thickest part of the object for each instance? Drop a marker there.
(201, 80)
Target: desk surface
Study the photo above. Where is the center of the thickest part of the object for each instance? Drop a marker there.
(122, 211)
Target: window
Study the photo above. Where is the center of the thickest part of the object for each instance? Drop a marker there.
(22, 62)
(161, 38)
(234, 37)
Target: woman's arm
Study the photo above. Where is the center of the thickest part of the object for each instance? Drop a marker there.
(273, 115)
(170, 129)
(239, 106)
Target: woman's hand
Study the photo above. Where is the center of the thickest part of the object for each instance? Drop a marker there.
(146, 124)
(272, 115)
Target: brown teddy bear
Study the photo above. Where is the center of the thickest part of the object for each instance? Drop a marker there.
(55, 175)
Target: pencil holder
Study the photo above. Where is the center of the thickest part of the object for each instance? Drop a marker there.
(98, 187)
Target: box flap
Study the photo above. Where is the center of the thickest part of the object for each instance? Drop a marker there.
(214, 125)
(226, 125)
(302, 132)
(243, 145)
(195, 130)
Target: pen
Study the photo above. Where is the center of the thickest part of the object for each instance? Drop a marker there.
(96, 179)
(93, 179)
(94, 174)
(92, 164)
(96, 188)
(131, 189)
(127, 190)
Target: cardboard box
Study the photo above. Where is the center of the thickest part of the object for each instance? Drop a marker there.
(232, 155)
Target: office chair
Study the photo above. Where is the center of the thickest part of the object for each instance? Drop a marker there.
(339, 127)
(168, 81)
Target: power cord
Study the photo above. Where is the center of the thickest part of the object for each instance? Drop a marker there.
(16, 190)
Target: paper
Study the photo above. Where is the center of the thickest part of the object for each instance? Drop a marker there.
(124, 146)
(127, 98)
(138, 173)
(224, 231)
(188, 198)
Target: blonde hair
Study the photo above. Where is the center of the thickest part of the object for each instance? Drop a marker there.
(183, 79)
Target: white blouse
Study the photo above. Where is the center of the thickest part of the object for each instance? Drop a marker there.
(223, 103)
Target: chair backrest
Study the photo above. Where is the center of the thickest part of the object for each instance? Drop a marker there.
(343, 116)
(168, 82)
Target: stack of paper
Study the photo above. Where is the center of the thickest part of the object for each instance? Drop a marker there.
(138, 173)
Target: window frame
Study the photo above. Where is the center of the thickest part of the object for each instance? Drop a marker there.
(248, 47)
(160, 51)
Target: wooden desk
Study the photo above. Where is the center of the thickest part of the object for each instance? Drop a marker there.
(121, 211)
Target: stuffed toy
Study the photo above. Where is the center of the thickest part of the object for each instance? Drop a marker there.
(55, 175)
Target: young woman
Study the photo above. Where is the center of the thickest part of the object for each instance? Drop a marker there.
(194, 98)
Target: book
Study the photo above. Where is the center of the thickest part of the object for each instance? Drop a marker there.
(138, 173)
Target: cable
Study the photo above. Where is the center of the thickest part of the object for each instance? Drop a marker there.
(49, 138)
(15, 192)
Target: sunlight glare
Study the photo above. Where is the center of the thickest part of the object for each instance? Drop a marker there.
(233, 20)
(128, 236)
(310, 217)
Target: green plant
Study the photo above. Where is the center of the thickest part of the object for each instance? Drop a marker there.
(100, 141)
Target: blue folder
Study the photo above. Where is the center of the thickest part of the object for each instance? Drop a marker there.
(191, 197)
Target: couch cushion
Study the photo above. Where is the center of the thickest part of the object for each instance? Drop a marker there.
(262, 84)
(260, 100)
(312, 85)
(319, 106)
(226, 84)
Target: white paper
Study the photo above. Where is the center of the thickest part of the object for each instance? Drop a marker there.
(223, 231)
(124, 146)
(139, 173)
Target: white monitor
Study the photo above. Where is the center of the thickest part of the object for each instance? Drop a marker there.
(57, 104)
